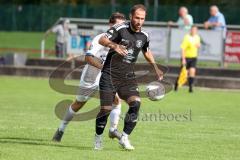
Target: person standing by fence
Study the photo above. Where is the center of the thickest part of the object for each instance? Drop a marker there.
(62, 32)
(216, 21)
(185, 20)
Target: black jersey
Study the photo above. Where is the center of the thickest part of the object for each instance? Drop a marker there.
(134, 42)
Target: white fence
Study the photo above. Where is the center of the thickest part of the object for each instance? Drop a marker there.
(211, 44)
(165, 41)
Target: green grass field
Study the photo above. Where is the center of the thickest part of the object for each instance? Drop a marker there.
(27, 123)
(25, 40)
(30, 40)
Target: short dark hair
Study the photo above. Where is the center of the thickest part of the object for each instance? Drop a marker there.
(136, 7)
(116, 15)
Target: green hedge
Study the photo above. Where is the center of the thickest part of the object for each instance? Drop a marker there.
(40, 17)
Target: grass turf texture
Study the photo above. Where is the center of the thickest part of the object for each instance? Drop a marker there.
(27, 123)
(29, 40)
(26, 40)
(32, 40)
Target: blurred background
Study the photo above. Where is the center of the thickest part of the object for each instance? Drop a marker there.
(38, 15)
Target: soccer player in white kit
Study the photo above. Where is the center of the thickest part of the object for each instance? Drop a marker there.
(89, 83)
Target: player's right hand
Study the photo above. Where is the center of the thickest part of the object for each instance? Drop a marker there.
(121, 50)
(159, 74)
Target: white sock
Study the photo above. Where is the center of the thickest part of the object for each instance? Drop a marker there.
(114, 117)
(125, 134)
(98, 135)
(67, 118)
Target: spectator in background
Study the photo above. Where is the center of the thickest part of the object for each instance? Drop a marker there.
(216, 21)
(185, 20)
(62, 32)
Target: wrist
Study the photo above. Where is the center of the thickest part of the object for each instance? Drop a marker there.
(111, 45)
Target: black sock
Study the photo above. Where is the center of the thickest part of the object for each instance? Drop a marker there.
(176, 85)
(101, 121)
(190, 83)
(130, 120)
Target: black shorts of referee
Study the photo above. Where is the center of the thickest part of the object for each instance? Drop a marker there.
(191, 63)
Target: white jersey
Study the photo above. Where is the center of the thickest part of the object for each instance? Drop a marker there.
(91, 75)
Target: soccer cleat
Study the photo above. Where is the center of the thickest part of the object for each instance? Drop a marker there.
(125, 143)
(114, 134)
(98, 142)
(57, 136)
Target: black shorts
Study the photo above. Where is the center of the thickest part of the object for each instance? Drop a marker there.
(191, 63)
(110, 86)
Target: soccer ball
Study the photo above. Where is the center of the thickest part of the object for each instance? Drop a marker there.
(155, 91)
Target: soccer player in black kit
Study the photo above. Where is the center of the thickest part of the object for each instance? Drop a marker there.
(125, 41)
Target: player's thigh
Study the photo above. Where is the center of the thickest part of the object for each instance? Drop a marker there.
(86, 92)
(129, 92)
(188, 63)
(192, 64)
(107, 97)
(106, 89)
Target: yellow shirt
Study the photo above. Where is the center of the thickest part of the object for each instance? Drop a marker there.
(189, 45)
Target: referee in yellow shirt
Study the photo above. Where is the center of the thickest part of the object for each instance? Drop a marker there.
(190, 46)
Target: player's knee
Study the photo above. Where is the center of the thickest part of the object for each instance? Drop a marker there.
(133, 111)
(104, 111)
(117, 100)
(192, 71)
(135, 106)
(106, 108)
(133, 98)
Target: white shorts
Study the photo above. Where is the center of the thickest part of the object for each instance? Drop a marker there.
(86, 92)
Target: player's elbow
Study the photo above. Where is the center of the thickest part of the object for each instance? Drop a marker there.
(148, 56)
(102, 40)
(88, 58)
